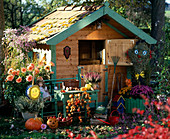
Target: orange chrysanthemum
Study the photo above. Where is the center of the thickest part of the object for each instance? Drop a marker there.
(128, 82)
(10, 77)
(52, 64)
(47, 68)
(29, 78)
(39, 78)
(41, 63)
(37, 71)
(30, 68)
(23, 70)
(19, 79)
(52, 72)
(18, 71)
(31, 64)
(14, 72)
(10, 71)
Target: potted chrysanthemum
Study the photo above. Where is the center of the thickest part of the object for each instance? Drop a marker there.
(17, 80)
(28, 107)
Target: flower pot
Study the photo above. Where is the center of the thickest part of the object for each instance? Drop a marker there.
(27, 115)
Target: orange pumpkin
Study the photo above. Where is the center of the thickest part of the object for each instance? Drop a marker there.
(33, 124)
(39, 118)
(52, 122)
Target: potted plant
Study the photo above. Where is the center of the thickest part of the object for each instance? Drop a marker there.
(28, 107)
(92, 77)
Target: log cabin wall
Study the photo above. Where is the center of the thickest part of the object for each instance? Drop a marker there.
(68, 68)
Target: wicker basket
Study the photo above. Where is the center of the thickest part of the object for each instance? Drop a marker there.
(65, 123)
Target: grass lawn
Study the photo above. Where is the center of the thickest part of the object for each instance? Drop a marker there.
(167, 13)
(12, 128)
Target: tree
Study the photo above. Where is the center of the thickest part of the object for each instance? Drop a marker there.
(158, 20)
(18, 13)
(2, 25)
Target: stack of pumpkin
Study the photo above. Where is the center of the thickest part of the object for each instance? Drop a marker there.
(77, 103)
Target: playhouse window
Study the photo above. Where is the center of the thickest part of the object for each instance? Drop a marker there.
(91, 52)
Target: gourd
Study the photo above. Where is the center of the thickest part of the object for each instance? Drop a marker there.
(52, 122)
(33, 124)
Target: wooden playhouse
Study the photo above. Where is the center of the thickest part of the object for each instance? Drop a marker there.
(87, 36)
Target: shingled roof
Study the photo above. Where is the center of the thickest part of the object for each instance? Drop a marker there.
(65, 21)
(59, 20)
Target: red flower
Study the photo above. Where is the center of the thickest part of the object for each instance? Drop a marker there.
(125, 135)
(37, 71)
(31, 64)
(93, 134)
(150, 116)
(138, 111)
(71, 135)
(30, 68)
(18, 80)
(52, 72)
(141, 112)
(10, 71)
(134, 110)
(23, 70)
(155, 102)
(18, 71)
(167, 108)
(132, 131)
(146, 103)
(137, 127)
(52, 64)
(29, 78)
(78, 137)
(9, 77)
(14, 72)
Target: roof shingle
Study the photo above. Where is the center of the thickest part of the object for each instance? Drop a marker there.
(58, 21)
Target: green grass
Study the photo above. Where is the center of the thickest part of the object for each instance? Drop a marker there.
(167, 13)
(20, 132)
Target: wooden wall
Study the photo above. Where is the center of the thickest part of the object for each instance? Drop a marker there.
(68, 68)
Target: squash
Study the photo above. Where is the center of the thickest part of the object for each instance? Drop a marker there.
(52, 122)
(33, 124)
(39, 118)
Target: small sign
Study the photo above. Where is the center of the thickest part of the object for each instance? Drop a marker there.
(67, 52)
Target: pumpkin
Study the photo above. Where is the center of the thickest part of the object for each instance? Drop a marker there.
(39, 118)
(33, 124)
(52, 122)
(83, 88)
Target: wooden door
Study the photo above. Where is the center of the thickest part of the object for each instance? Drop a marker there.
(100, 69)
(118, 47)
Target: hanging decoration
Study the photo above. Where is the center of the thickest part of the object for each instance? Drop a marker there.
(67, 52)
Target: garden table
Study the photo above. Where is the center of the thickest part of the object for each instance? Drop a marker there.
(60, 96)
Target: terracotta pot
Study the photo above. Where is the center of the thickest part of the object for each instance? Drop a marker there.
(27, 115)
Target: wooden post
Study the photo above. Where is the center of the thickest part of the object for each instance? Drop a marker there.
(79, 72)
(30, 55)
(53, 59)
(129, 72)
